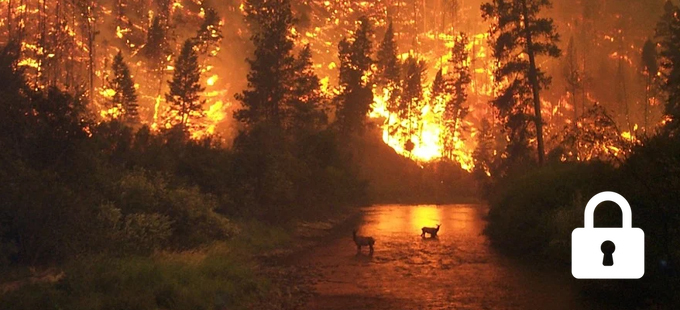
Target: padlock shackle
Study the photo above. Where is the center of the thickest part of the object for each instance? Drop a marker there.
(626, 213)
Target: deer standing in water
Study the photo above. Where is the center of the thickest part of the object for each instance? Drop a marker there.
(430, 230)
(363, 241)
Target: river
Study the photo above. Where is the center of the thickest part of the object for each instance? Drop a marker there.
(457, 270)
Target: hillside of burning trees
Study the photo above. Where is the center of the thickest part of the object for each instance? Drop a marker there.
(149, 149)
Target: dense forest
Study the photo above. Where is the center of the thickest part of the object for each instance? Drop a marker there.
(133, 132)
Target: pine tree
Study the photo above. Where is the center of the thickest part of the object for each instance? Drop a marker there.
(668, 34)
(411, 104)
(357, 95)
(437, 102)
(387, 62)
(519, 35)
(438, 86)
(209, 33)
(270, 69)
(157, 49)
(484, 154)
(650, 68)
(664, 26)
(185, 88)
(305, 115)
(388, 74)
(572, 75)
(125, 95)
(454, 109)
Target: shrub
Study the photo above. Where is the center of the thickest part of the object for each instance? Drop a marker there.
(189, 213)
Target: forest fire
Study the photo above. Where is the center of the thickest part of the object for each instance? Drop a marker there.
(185, 150)
(149, 39)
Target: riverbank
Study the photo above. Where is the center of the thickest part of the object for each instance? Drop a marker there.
(291, 287)
(247, 272)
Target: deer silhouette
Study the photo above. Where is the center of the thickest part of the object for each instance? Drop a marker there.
(363, 241)
(430, 230)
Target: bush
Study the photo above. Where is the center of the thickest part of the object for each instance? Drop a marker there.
(134, 233)
(195, 221)
(190, 214)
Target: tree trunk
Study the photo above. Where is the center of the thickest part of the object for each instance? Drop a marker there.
(91, 32)
(647, 97)
(574, 102)
(9, 19)
(533, 79)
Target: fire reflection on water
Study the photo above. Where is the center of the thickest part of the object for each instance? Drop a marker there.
(457, 270)
(402, 219)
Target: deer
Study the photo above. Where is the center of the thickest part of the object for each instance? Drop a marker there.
(363, 241)
(430, 230)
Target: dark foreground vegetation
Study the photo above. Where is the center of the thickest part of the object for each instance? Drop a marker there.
(533, 214)
(106, 216)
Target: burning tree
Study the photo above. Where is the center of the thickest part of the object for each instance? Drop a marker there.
(354, 102)
(518, 35)
(185, 88)
(157, 50)
(597, 137)
(122, 88)
(209, 34)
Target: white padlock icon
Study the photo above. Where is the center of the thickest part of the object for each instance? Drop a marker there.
(608, 253)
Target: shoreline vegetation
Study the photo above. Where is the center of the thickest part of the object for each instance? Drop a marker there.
(532, 213)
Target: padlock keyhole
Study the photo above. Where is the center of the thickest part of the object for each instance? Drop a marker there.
(608, 249)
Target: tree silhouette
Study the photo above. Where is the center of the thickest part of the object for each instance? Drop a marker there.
(668, 33)
(305, 115)
(410, 108)
(388, 75)
(387, 62)
(125, 95)
(518, 36)
(270, 70)
(209, 33)
(483, 155)
(355, 62)
(157, 49)
(454, 111)
(650, 68)
(185, 88)
(572, 75)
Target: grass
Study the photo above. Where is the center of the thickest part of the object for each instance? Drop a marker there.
(221, 276)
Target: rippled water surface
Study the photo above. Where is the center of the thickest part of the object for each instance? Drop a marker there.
(458, 270)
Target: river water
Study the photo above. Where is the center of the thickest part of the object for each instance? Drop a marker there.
(457, 270)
